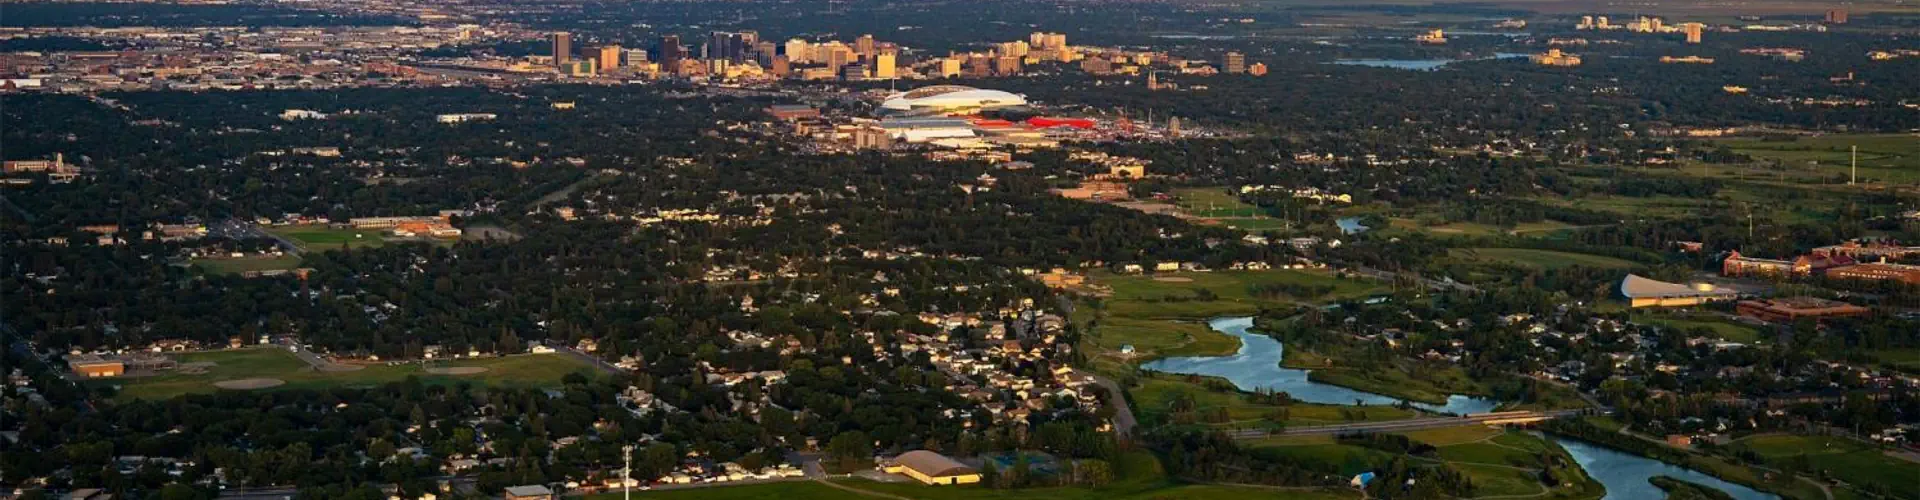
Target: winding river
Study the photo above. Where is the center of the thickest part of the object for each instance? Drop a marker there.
(1257, 366)
(1626, 474)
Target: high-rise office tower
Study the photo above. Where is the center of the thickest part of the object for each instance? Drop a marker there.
(729, 45)
(609, 57)
(836, 55)
(1693, 31)
(764, 52)
(1006, 65)
(671, 52)
(780, 67)
(562, 47)
(798, 51)
(883, 64)
(1236, 63)
(979, 66)
(950, 67)
(864, 47)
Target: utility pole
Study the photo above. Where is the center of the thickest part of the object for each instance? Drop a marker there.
(1855, 175)
(626, 474)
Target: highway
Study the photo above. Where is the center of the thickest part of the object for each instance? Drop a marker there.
(1413, 424)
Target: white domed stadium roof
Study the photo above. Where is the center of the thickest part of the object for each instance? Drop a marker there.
(950, 98)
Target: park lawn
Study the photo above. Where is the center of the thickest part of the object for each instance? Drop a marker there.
(1500, 480)
(1158, 338)
(1907, 360)
(1721, 327)
(785, 490)
(1434, 384)
(1449, 436)
(1540, 259)
(1212, 202)
(1652, 207)
(1156, 393)
(245, 264)
(1140, 296)
(1845, 459)
(1495, 470)
(1137, 476)
(321, 238)
(1445, 229)
(532, 370)
(1883, 157)
(1253, 224)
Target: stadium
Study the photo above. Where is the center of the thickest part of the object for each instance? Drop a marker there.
(949, 99)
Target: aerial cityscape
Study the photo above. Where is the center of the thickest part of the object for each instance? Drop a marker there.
(925, 249)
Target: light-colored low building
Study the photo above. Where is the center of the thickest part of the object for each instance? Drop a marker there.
(932, 468)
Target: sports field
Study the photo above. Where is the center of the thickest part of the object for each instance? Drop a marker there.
(1883, 157)
(1539, 259)
(321, 238)
(276, 363)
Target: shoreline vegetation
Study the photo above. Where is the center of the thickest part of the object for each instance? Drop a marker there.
(1679, 489)
(1617, 439)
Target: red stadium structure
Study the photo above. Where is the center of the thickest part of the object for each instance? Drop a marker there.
(1050, 122)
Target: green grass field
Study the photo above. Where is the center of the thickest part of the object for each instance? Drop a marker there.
(1156, 393)
(1907, 360)
(1540, 259)
(531, 370)
(321, 238)
(1500, 463)
(1144, 297)
(1137, 476)
(1884, 157)
(1721, 327)
(1212, 202)
(1844, 459)
(1157, 338)
(241, 265)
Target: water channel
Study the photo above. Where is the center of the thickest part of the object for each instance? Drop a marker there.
(1257, 366)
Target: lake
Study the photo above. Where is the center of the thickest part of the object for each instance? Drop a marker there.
(1350, 225)
(1419, 64)
(1626, 474)
(1257, 366)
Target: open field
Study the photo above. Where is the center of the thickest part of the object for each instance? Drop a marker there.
(1544, 228)
(1540, 259)
(789, 490)
(1907, 360)
(1143, 296)
(1883, 157)
(245, 264)
(1844, 459)
(1157, 392)
(1211, 202)
(1155, 338)
(1721, 327)
(1500, 463)
(276, 363)
(320, 238)
(1138, 476)
(1432, 384)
